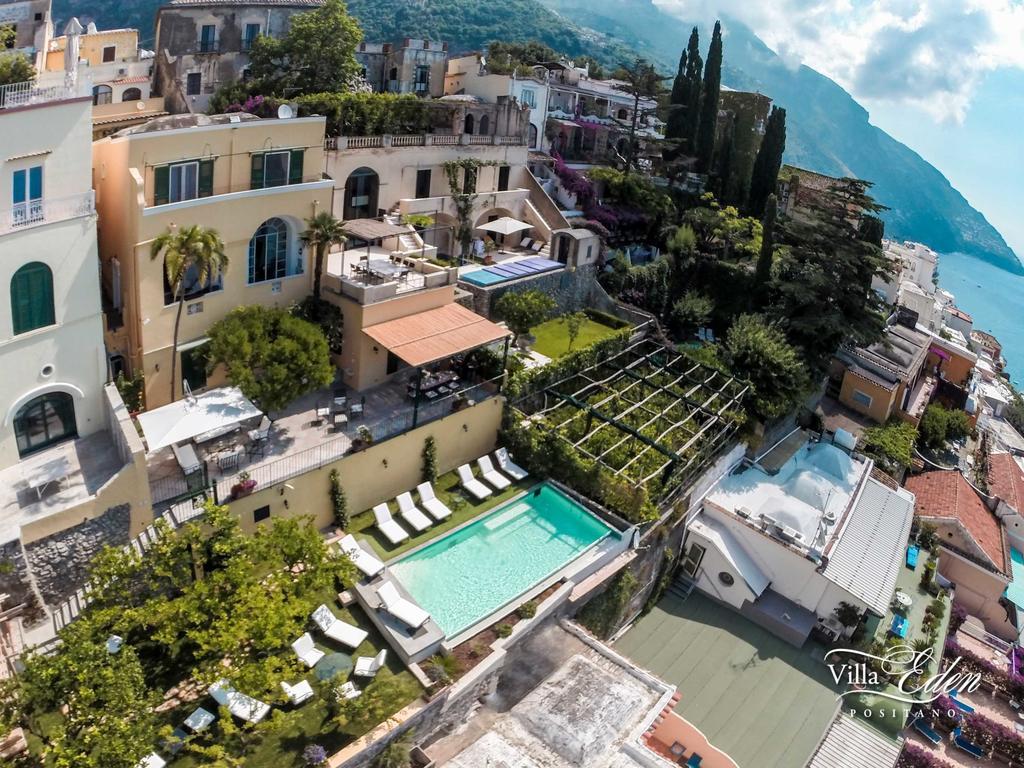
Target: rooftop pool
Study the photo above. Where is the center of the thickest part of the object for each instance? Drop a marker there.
(473, 571)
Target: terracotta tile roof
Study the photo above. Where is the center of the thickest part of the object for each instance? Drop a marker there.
(435, 334)
(1006, 479)
(946, 494)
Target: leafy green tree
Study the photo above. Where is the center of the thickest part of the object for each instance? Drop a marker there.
(573, 325)
(677, 101)
(725, 164)
(327, 316)
(757, 351)
(522, 310)
(690, 312)
(193, 252)
(892, 445)
(709, 102)
(764, 258)
(640, 80)
(15, 68)
(939, 424)
(768, 162)
(272, 356)
(872, 230)
(322, 231)
(316, 55)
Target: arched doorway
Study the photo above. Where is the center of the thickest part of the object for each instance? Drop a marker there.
(102, 94)
(361, 190)
(533, 136)
(44, 421)
(467, 126)
(131, 94)
(485, 125)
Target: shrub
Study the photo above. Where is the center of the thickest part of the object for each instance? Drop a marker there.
(442, 668)
(528, 609)
(891, 445)
(503, 630)
(429, 460)
(339, 504)
(604, 612)
(132, 391)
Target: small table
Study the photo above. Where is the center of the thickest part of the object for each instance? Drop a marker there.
(199, 720)
(41, 477)
(332, 665)
(903, 600)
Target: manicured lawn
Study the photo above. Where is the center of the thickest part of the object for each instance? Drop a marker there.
(462, 505)
(553, 336)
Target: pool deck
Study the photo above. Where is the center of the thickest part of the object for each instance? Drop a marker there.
(412, 647)
(755, 697)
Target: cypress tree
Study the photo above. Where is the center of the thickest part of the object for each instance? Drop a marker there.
(709, 102)
(677, 102)
(764, 259)
(872, 230)
(694, 71)
(765, 176)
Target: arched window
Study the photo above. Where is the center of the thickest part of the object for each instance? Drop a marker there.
(485, 125)
(32, 298)
(468, 125)
(623, 114)
(131, 94)
(361, 194)
(102, 94)
(533, 136)
(43, 421)
(268, 252)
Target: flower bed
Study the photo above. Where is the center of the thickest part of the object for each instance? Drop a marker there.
(914, 756)
(991, 674)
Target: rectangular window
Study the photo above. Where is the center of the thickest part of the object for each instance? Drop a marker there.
(182, 181)
(193, 84)
(252, 31)
(208, 38)
(691, 561)
(503, 173)
(27, 194)
(423, 183)
(529, 98)
(260, 514)
(276, 169)
(422, 82)
(861, 398)
(109, 52)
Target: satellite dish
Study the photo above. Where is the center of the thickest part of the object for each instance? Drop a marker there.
(140, 105)
(285, 112)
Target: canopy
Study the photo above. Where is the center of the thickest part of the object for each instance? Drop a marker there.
(371, 229)
(505, 226)
(436, 334)
(184, 419)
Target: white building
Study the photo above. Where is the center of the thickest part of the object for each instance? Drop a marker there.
(786, 546)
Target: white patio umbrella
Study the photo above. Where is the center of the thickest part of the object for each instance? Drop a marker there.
(184, 419)
(506, 225)
(72, 46)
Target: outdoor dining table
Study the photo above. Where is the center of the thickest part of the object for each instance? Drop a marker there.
(332, 665)
(386, 268)
(903, 600)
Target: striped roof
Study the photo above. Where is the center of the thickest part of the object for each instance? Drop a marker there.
(851, 744)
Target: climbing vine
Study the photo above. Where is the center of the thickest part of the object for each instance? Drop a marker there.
(458, 173)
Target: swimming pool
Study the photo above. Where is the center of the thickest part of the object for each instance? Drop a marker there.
(463, 577)
(500, 273)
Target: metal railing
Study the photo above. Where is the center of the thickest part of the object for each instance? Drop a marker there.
(335, 143)
(29, 92)
(34, 213)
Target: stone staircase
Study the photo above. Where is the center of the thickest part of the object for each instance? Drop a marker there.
(410, 241)
(682, 586)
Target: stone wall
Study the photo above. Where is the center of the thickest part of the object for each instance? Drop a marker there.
(15, 581)
(60, 562)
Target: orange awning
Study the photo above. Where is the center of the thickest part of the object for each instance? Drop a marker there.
(436, 334)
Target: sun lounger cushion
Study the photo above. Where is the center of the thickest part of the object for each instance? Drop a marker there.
(238, 704)
(362, 559)
(336, 629)
(436, 508)
(404, 610)
(491, 476)
(307, 652)
(912, 552)
(471, 485)
(407, 509)
(509, 467)
(368, 666)
(298, 693)
(387, 525)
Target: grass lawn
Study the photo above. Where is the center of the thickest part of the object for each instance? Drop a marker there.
(553, 336)
(463, 507)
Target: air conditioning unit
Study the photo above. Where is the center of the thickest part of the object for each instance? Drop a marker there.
(122, 72)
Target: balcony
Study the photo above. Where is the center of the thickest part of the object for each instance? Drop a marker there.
(34, 213)
(30, 93)
(336, 143)
(207, 46)
(355, 274)
(510, 199)
(228, 192)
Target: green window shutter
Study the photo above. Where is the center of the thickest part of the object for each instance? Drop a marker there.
(161, 185)
(205, 178)
(257, 172)
(32, 298)
(295, 166)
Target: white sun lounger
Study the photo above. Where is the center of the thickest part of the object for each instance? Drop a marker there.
(436, 508)
(298, 693)
(404, 610)
(307, 652)
(407, 509)
(471, 485)
(336, 629)
(509, 467)
(152, 760)
(238, 704)
(387, 525)
(362, 559)
(369, 666)
(350, 691)
(491, 476)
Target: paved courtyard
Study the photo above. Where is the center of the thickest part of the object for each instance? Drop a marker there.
(754, 696)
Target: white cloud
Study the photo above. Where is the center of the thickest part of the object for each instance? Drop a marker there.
(926, 53)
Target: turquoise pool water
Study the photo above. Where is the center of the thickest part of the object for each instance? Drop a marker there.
(463, 577)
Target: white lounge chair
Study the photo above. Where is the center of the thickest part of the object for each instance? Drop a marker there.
(350, 691)
(369, 666)
(509, 467)
(491, 476)
(404, 610)
(336, 629)
(238, 704)
(308, 653)
(386, 524)
(471, 485)
(407, 509)
(436, 508)
(186, 457)
(298, 693)
(152, 760)
(362, 559)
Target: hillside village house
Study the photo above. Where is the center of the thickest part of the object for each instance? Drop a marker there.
(30, 20)
(204, 44)
(414, 66)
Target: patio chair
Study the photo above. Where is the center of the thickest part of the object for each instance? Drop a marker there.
(471, 485)
(300, 692)
(307, 652)
(526, 242)
(386, 524)
(509, 467)
(404, 610)
(491, 476)
(362, 559)
(536, 245)
(336, 629)
(258, 438)
(323, 411)
(369, 666)
(436, 508)
(348, 690)
(238, 704)
(340, 420)
(227, 462)
(407, 509)
(922, 727)
(185, 454)
(152, 760)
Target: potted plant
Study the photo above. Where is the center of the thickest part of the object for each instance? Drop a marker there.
(363, 438)
(489, 248)
(243, 487)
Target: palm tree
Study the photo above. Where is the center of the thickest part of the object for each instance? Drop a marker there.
(324, 230)
(194, 248)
